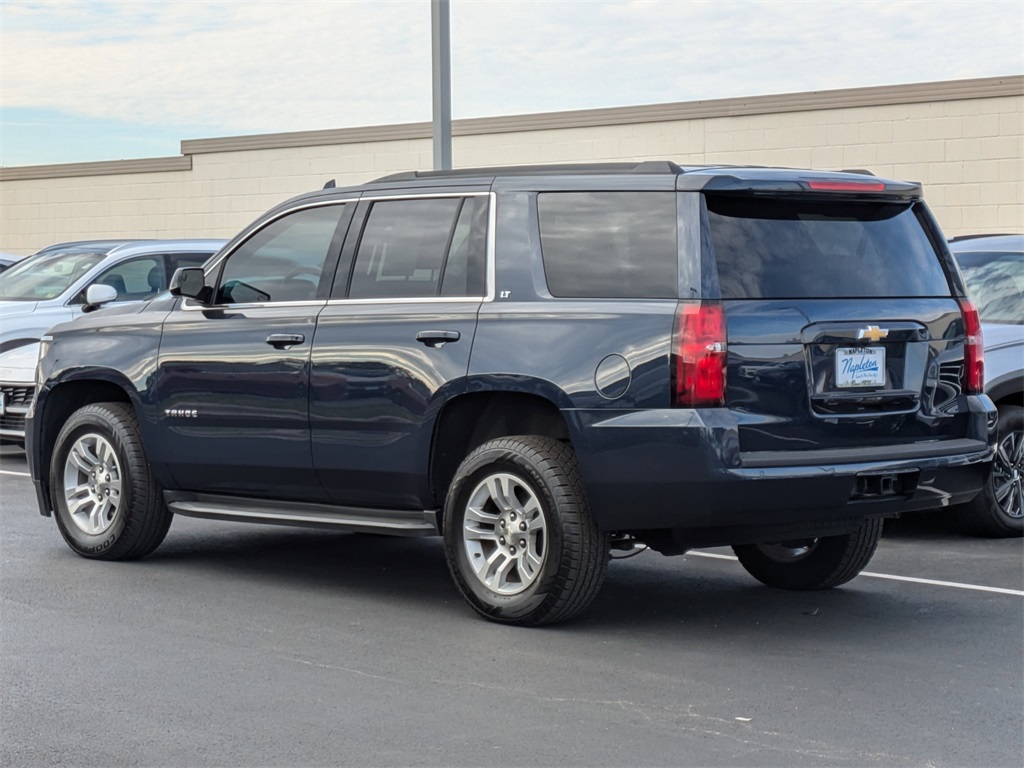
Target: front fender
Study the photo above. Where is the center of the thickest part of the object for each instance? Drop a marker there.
(56, 399)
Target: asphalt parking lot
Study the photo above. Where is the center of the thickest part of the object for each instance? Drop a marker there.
(244, 645)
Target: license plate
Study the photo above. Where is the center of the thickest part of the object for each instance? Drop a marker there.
(860, 367)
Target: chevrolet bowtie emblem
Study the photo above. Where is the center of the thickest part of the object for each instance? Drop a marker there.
(872, 333)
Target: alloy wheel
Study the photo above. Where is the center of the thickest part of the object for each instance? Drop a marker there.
(92, 483)
(505, 534)
(1008, 474)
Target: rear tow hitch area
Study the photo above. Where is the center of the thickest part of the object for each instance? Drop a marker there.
(877, 484)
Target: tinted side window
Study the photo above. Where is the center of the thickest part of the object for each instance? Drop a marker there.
(284, 261)
(609, 244)
(995, 282)
(467, 255)
(781, 249)
(403, 248)
(179, 260)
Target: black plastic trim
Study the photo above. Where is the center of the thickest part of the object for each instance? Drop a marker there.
(765, 459)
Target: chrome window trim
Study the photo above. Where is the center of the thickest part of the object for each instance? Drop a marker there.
(306, 206)
(492, 220)
(410, 300)
(190, 305)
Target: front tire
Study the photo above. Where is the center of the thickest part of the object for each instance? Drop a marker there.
(108, 505)
(998, 511)
(812, 563)
(519, 540)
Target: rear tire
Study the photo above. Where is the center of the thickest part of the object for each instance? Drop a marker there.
(812, 563)
(520, 542)
(108, 505)
(997, 511)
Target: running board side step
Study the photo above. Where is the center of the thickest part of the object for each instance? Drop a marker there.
(353, 519)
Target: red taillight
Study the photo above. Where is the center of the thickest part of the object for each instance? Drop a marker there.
(974, 350)
(699, 355)
(824, 185)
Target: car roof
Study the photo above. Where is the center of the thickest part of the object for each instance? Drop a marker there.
(142, 247)
(134, 247)
(736, 178)
(86, 245)
(744, 173)
(987, 244)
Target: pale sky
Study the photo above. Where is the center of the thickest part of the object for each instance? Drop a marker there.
(82, 81)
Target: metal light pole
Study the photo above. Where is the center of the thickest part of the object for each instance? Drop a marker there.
(442, 78)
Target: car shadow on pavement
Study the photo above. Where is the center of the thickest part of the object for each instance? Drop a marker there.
(932, 525)
(683, 594)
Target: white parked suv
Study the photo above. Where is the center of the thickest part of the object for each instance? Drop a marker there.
(55, 285)
(993, 267)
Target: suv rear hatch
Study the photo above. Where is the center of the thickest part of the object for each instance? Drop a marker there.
(845, 339)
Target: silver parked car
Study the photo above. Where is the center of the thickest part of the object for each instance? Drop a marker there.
(61, 282)
(993, 267)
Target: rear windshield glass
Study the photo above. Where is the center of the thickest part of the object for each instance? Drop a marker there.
(780, 249)
(609, 244)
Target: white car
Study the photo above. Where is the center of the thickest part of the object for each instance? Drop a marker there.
(993, 267)
(50, 287)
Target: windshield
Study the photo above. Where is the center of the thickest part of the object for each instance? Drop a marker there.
(46, 276)
(995, 282)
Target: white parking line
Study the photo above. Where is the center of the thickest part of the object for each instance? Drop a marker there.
(16, 474)
(891, 577)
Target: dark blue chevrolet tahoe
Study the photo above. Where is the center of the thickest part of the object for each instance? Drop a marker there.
(542, 365)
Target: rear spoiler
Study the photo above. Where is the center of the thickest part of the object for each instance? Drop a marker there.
(843, 185)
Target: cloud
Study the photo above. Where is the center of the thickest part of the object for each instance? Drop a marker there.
(278, 66)
(576, 55)
(246, 66)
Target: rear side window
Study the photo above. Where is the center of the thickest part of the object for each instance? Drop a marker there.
(780, 249)
(464, 269)
(609, 244)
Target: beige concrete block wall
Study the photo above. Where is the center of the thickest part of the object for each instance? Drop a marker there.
(964, 140)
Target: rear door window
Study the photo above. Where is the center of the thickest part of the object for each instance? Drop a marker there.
(609, 244)
(780, 249)
(421, 248)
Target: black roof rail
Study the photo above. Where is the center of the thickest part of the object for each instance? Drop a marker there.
(861, 171)
(647, 166)
(961, 238)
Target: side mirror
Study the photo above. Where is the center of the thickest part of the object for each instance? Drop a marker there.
(190, 282)
(98, 294)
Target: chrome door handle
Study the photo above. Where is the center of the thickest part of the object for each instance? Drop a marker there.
(435, 339)
(285, 340)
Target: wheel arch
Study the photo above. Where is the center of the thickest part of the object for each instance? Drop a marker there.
(1007, 390)
(471, 419)
(61, 399)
